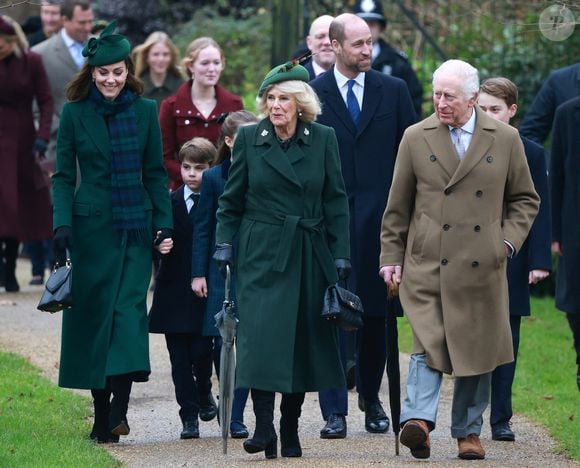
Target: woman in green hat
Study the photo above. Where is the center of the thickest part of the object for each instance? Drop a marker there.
(286, 201)
(107, 219)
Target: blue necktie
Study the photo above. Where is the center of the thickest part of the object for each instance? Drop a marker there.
(352, 103)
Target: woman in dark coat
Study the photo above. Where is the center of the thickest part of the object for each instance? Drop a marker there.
(108, 222)
(196, 108)
(25, 210)
(285, 199)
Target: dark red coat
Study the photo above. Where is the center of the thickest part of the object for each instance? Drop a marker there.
(25, 207)
(181, 121)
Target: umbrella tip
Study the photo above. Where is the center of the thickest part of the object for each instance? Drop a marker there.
(397, 444)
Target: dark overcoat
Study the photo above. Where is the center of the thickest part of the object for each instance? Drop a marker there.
(181, 121)
(25, 208)
(535, 253)
(106, 332)
(445, 223)
(565, 195)
(367, 156)
(290, 210)
(175, 307)
(202, 264)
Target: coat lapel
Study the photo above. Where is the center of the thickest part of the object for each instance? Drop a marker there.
(480, 144)
(439, 142)
(371, 100)
(332, 98)
(63, 54)
(96, 128)
(274, 156)
(180, 208)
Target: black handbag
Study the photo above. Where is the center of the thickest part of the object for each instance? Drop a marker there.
(58, 290)
(342, 307)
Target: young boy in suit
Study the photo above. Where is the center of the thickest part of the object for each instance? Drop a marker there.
(177, 311)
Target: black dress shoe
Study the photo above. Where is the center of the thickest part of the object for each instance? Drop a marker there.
(335, 427)
(238, 430)
(207, 408)
(376, 421)
(502, 431)
(190, 430)
(11, 284)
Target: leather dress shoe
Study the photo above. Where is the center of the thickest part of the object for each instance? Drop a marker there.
(238, 430)
(415, 435)
(335, 427)
(190, 430)
(36, 281)
(502, 431)
(376, 421)
(207, 408)
(470, 448)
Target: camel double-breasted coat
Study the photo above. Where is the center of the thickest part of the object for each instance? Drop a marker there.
(446, 222)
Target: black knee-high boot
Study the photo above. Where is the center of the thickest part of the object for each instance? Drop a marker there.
(265, 438)
(291, 408)
(10, 255)
(102, 406)
(121, 390)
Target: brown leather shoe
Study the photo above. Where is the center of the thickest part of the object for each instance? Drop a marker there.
(470, 448)
(415, 435)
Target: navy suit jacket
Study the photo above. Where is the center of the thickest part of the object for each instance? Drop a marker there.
(202, 264)
(535, 253)
(175, 308)
(367, 156)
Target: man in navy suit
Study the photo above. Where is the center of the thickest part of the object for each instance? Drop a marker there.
(498, 98)
(369, 112)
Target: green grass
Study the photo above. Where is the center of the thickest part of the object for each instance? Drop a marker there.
(545, 388)
(41, 424)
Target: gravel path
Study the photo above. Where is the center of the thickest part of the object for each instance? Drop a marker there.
(155, 425)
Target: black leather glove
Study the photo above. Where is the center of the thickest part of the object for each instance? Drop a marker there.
(165, 233)
(61, 241)
(343, 268)
(39, 147)
(224, 256)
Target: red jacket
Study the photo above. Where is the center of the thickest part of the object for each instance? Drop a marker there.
(181, 121)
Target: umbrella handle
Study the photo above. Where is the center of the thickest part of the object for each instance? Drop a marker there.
(228, 281)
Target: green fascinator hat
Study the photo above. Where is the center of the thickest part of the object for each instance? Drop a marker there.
(107, 48)
(286, 72)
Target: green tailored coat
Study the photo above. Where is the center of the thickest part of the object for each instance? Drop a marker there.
(106, 332)
(291, 212)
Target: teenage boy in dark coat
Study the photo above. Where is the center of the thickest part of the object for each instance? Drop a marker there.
(177, 311)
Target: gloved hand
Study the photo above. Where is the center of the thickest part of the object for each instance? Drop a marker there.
(343, 268)
(223, 256)
(166, 233)
(61, 241)
(39, 147)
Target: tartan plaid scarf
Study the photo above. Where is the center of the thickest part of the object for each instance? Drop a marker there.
(127, 192)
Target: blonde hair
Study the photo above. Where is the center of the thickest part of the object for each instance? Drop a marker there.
(141, 52)
(193, 50)
(306, 99)
(18, 40)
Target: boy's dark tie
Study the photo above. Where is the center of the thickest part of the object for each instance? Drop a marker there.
(195, 198)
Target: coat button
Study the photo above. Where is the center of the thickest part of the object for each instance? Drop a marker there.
(177, 111)
(478, 194)
(444, 261)
(433, 157)
(489, 159)
(477, 228)
(446, 227)
(186, 121)
(475, 264)
(447, 191)
(98, 212)
(206, 125)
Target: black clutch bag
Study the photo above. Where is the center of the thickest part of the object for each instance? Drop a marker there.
(58, 290)
(342, 307)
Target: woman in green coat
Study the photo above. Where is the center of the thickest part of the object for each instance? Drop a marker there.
(286, 201)
(107, 218)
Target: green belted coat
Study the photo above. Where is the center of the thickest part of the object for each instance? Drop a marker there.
(106, 332)
(291, 212)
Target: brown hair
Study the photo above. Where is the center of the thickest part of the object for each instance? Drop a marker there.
(336, 31)
(195, 47)
(67, 8)
(79, 87)
(230, 127)
(501, 88)
(141, 52)
(198, 150)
